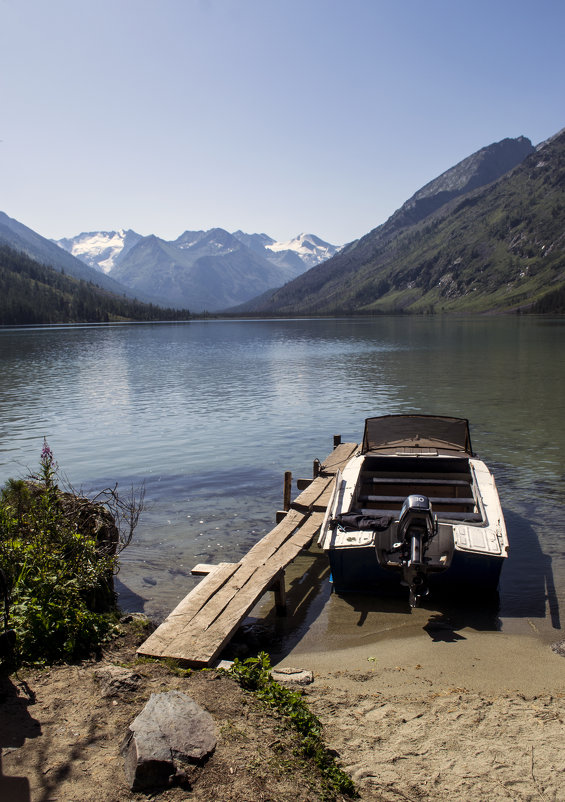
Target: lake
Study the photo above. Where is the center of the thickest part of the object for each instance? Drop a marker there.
(209, 414)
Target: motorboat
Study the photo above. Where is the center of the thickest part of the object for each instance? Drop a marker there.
(414, 506)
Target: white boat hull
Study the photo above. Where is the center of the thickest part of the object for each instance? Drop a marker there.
(469, 544)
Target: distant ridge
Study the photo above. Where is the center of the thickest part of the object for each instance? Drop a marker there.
(486, 235)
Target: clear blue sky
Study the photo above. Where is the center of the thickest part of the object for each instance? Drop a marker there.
(279, 116)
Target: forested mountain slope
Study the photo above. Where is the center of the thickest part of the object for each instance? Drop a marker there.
(31, 293)
(494, 248)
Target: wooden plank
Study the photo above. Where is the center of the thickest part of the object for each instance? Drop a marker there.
(206, 568)
(276, 537)
(256, 557)
(205, 645)
(204, 621)
(337, 459)
(186, 609)
(308, 499)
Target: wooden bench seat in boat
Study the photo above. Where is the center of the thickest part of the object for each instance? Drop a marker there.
(470, 517)
(401, 480)
(434, 499)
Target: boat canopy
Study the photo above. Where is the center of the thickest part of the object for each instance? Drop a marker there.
(418, 432)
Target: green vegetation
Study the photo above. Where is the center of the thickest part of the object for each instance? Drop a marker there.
(59, 578)
(254, 674)
(32, 293)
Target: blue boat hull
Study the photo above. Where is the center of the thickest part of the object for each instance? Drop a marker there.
(358, 570)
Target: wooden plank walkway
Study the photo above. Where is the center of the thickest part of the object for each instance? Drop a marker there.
(204, 621)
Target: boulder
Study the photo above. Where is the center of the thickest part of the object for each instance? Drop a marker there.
(171, 733)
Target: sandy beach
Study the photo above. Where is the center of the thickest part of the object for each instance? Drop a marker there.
(426, 711)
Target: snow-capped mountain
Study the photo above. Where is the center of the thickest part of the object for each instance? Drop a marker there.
(200, 270)
(105, 249)
(100, 249)
(310, 248)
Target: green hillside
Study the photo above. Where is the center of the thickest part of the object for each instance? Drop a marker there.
(497, 248)
(33, 293)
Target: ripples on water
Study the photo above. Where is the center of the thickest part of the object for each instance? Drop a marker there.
(210, 414)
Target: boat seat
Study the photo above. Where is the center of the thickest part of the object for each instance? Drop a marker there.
(389, 480)
(469, 517)
(434, 499)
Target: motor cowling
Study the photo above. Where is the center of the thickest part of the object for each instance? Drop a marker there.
(416, 515)
(416, 527)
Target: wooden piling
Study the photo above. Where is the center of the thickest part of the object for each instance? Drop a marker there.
(287, 490)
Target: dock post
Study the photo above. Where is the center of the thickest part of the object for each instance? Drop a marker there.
(337, 440)
(279, 589)
(316, 469)
(287, 490)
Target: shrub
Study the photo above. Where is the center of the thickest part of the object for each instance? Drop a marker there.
(56, 574)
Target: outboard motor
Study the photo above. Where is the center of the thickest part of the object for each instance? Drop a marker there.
(417, 525)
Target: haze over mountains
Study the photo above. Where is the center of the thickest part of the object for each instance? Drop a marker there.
(202, 270)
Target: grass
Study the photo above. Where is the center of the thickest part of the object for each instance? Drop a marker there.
(254, 674)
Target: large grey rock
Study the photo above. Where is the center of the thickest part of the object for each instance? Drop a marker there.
(171, 732)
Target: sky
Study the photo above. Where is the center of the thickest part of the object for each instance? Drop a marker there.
(275, 116)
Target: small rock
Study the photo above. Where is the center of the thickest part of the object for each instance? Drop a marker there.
(294, 676)
(171, 732)
(559, 648)
(129, 617)
(115, 680)
(225, 665)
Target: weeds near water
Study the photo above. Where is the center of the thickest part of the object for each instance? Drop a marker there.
(58, 555)
(254, 674)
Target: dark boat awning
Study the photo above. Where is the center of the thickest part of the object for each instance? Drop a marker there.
(417, 431)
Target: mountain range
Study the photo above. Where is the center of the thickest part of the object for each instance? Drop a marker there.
(485, 236)
(202, 270)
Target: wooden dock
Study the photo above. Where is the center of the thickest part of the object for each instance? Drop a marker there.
(204, 621)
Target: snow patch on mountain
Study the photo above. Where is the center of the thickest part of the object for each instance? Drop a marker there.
(310, 248)
(100, 249)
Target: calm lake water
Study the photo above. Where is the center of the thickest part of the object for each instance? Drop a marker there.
(210, 414)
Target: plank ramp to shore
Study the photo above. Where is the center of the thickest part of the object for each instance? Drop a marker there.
(204, 621)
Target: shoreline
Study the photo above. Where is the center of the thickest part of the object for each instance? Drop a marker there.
(478, 662)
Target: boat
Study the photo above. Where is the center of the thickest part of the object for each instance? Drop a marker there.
(416, 507)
